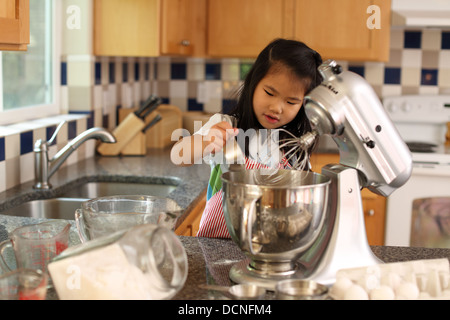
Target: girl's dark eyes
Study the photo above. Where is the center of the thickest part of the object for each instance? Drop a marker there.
(268, 93)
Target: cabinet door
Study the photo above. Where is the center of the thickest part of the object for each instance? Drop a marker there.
(242, 28)
(14, 24)
(126, 28)
(183, 27)
(343, 30)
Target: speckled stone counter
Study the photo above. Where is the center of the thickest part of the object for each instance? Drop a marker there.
(210, 260)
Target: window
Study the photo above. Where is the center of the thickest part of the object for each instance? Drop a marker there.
(29, 86)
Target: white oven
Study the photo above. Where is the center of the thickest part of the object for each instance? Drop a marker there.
(418, 213)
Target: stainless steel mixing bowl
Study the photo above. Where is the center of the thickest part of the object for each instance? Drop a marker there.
(274, 224)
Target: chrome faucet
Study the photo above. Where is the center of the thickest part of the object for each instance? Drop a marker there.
(44, 167)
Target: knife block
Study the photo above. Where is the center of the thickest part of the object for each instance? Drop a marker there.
(137, 145)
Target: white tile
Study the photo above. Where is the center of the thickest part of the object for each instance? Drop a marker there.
(195, 69)
(391, 90)
(2, 176)
(429, 90)
(163, 68)
(12, 146)
(178, 89)
(230, 69)
(412, 58)
(444, 59)
(431, 39)
(26, 167)
(12, 172)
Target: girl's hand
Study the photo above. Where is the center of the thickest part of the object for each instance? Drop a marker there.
(218, 136)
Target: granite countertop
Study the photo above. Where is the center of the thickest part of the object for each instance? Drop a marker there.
(209, 260)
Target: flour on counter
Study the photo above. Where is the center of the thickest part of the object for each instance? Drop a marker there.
(105, 274)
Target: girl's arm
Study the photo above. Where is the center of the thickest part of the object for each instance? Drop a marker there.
(191, 150)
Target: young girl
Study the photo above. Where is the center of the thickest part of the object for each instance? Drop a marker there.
(271, 98)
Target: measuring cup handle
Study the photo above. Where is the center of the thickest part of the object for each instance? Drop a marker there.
(3, 246)
(81, 227)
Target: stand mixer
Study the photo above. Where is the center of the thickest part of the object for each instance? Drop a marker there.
(313, 226)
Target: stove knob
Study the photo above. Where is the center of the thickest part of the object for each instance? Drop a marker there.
(406, 107)
(392, 107)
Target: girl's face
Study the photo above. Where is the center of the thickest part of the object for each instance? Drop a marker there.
(278, 98)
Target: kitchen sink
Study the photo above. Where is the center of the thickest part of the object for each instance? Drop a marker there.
(64, 206)
(57, 208)
(92, 190)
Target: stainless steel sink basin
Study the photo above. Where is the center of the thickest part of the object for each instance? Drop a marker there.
(65, 205)
(58, 208)
(91, 190)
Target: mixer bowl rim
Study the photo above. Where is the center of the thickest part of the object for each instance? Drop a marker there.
(326, 180)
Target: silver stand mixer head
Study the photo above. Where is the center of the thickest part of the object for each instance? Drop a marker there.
(372, 155)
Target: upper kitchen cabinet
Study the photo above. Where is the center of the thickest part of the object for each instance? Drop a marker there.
(355, 30)
(149, 27)
(242, 28)
(183, 27)
(14, 25)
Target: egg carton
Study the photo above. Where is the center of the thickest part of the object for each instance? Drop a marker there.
(412, 280)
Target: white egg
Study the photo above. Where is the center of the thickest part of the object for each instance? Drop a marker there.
(407, 290)
(391, 279)
(356, 292)
(339, 288)
(382, 293)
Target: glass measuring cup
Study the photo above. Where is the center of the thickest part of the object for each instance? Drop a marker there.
(35, 245)
(23, 284)
(146, 262)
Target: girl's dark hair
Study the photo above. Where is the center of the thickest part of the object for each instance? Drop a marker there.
(297, 57)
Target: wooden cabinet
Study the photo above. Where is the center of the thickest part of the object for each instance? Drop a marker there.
(242, 28)
(14, 25)
(340, 30)
(183, 27)
(189, 227)
(149, 27)
(345, 29)
(374, 206)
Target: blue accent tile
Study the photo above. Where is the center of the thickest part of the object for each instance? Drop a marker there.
(357, 69)
(98, 73)
(413, 39)
(147, 71)
(2, 149)
(136, 71)
(392, 75)
(193, 105)
(178, 71)
(429, 77)
(125, 72)
(445, 44)
(213, 71)
(26, 142)
(112, 72)
(49, 133)
(72, 130)
(165, 100)
(64, 73)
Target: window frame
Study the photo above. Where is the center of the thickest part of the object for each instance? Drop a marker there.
(27, 113)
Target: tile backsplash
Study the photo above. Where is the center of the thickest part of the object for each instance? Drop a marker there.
(94, 88)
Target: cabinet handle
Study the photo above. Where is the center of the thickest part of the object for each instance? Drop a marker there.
(371, 213)
(185, 43)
